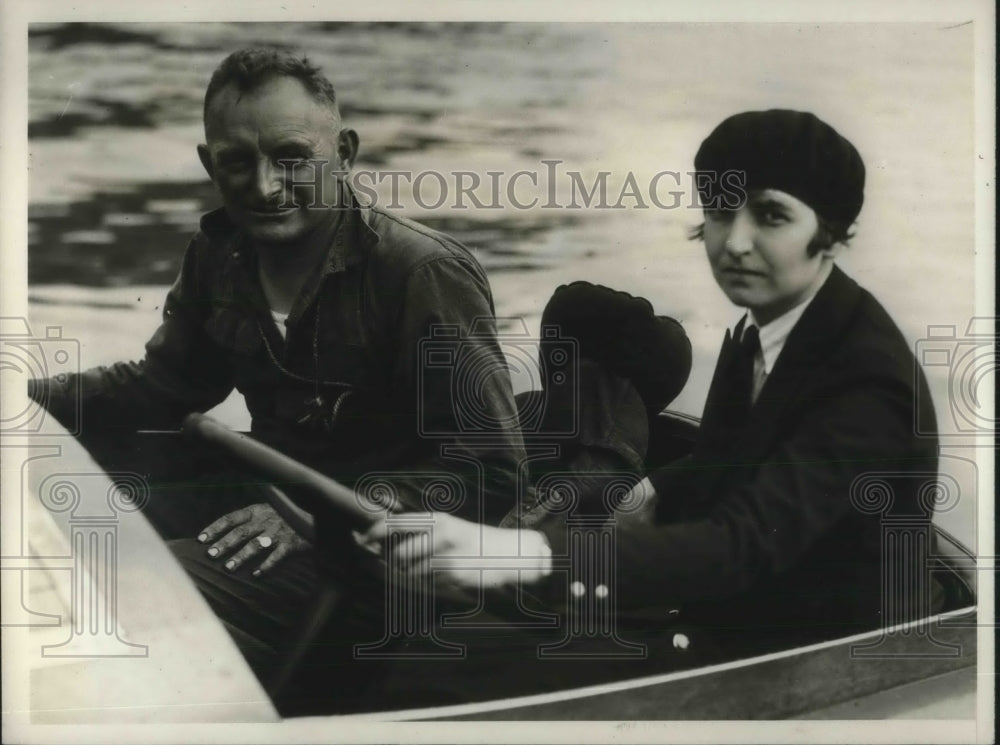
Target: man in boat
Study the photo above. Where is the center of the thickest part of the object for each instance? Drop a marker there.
(766, 535)
(313, 305)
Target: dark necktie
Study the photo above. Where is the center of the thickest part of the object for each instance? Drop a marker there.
(731, 394)
(722, 427)
(745, 356)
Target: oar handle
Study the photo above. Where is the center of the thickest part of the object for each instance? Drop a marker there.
(318, 490)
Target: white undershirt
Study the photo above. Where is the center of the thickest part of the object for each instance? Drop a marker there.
(279, 321)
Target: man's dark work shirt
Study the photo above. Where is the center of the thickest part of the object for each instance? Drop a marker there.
(385, 336)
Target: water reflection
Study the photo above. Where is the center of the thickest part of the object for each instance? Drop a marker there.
(115, 112)
(118, 237)
(138, 235)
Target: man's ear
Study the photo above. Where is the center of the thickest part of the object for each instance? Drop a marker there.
(347, 148)
(206, 161)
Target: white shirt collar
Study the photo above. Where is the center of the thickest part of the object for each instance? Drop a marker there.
(279, 321)
(774, 335)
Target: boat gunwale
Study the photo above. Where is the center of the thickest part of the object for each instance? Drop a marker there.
(540, 700)
(648, 681)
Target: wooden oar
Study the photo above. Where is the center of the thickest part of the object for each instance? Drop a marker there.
(318, 491)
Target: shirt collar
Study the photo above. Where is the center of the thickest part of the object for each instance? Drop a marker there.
(354, 234)
(774, 334)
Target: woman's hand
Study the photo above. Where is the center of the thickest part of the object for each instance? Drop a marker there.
(259, 530)
(467, 554)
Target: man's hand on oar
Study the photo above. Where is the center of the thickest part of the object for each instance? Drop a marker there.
(464, 553)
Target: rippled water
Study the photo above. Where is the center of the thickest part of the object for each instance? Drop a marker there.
(116, 187)
(116, 110)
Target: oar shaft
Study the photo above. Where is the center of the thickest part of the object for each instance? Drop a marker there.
(281, 470)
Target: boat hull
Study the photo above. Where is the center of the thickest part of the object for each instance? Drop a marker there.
(781, 685)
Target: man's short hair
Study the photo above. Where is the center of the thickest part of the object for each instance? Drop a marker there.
(251, 67)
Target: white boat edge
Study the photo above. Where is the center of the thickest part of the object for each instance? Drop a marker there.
(541, 699)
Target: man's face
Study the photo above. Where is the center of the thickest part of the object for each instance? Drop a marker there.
(249, 136)
(759, 253)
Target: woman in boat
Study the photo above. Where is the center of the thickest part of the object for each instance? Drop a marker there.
(773, 531)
